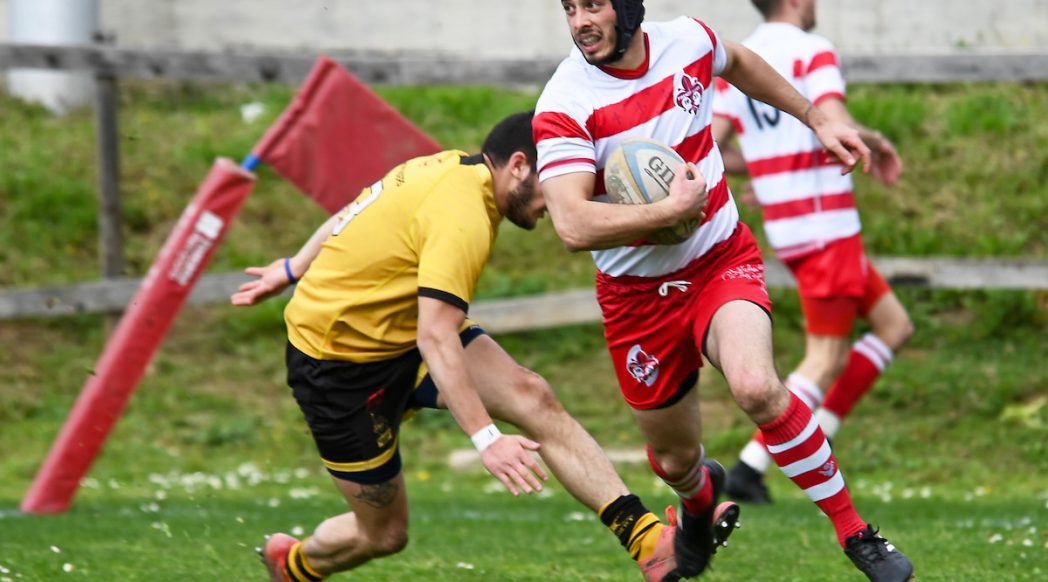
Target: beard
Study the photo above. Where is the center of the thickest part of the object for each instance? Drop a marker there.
(597, 60)
(517, 203)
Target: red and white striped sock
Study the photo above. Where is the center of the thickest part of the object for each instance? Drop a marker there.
(797, 445)
(694, 489)
(755, 454)
(867, 360)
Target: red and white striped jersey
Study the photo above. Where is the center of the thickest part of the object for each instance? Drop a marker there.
(586, 111)
(806, 201)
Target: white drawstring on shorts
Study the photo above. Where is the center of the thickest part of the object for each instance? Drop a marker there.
(681, 286)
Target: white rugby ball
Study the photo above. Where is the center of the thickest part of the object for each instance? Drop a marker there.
(639, 171)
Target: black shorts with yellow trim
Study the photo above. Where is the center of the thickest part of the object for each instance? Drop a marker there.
(354, 410)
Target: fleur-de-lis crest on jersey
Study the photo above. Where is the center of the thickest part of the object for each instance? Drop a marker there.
(689, 94)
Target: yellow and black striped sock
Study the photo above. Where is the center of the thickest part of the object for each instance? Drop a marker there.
(297, 568)
(637, 528)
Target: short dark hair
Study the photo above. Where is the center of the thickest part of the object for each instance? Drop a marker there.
(512, 134)
(767, 8)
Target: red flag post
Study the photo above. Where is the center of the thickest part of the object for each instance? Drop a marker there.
(137, 337)
(336, 137)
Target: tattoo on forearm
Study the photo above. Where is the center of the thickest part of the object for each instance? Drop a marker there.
(807, 112)
(380, 495)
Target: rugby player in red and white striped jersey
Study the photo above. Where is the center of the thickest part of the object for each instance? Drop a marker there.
(811, 221)
(665, 306)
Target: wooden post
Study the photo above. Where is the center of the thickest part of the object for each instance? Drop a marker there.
(110, 238)
(107, 148)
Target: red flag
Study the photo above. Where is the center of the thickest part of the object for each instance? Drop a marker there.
(338, 136)
(138, 336)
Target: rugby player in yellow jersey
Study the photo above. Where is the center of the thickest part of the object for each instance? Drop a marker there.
(377, 326)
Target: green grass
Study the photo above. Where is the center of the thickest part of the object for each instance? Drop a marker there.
(204, 527)
(949, 453)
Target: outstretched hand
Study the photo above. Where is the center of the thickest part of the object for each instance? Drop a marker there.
(887, 165)
(509, 461)
(844, 143)
(272, 280)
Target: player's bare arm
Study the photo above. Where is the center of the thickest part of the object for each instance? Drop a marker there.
(507, 457)
(886, 163)
(276, 276)
(584, 224)
(756, 78)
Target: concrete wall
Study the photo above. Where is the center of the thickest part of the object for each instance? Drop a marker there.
(535, 28)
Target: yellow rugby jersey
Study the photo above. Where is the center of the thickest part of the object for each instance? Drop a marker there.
(425, 229)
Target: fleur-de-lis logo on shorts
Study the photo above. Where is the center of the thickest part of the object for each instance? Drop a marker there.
(642, 365)
(689, 93)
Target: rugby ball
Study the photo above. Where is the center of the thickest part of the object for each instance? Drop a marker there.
(639, 171)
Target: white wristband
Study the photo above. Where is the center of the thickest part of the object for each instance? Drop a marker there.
(483, 438)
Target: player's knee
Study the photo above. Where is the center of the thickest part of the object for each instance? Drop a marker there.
(755, 392)
(834, 366)
(897, 331)
(537, 395)
(676, 462)
(904, 332)
(391, 541)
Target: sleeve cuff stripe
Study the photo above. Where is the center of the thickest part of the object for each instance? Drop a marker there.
(443, 296)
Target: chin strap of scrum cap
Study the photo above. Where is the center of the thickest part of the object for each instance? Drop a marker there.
(629, 13)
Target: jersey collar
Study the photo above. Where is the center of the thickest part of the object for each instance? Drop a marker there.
(637, 73)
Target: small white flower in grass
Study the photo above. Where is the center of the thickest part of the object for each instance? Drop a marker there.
(113, 484)
(926, 492)
(161, 526)
(576, 516)
(297, 530)
(246, 469)
(250, 112)
(982, 491)
(160, 495)
(56, 549)
(162, 481)
(232, 481)
(89, 483)
(273, 502)
(907, 493)
(67, 567)
(465, 565)
(303, 492)
(4, 570)
(301, 473)
(996, 538)
(1032, 530)
(6, 579)
(545, 493)
(240, 519)
(1028, 543)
